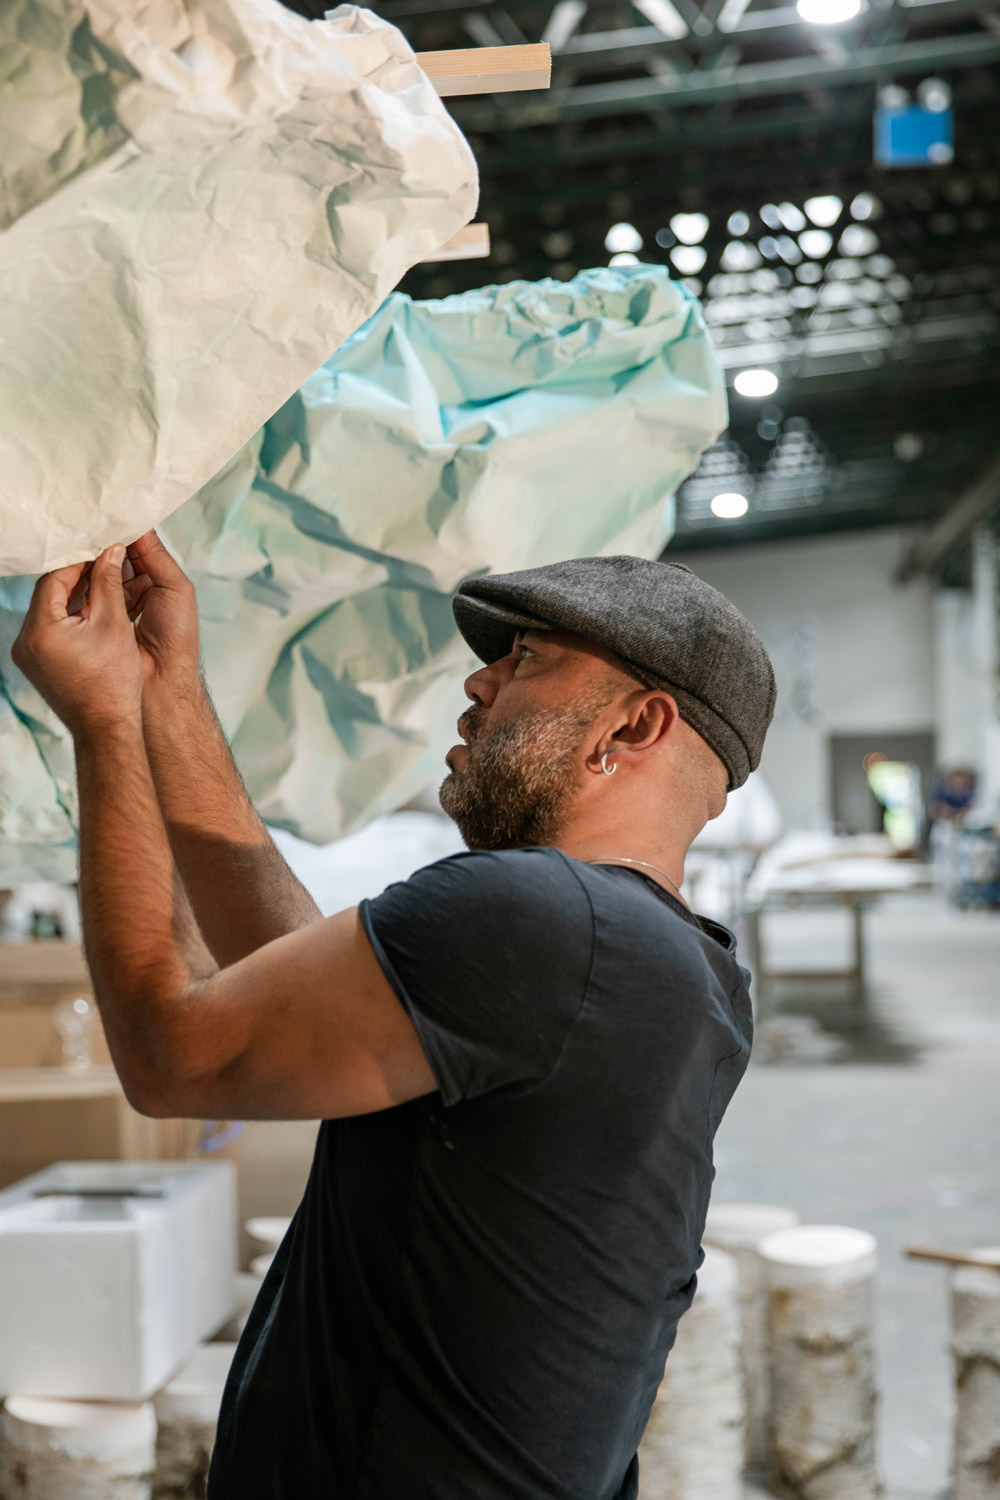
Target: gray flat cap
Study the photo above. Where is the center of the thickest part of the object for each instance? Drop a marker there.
(673, 631)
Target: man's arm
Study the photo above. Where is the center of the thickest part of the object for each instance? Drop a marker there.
(241, 890)
(305, 1027)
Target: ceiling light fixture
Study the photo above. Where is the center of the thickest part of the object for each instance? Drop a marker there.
(824, 210)
(729, 506)
(690, 229)
(934, 94)
(688, 259)
(622, 237)
(793, 218)
(624, 258)
(816, 243)
(738, 223)
(756, 383)
(828, 12)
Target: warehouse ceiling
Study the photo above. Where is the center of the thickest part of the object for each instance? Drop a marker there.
(735, 140)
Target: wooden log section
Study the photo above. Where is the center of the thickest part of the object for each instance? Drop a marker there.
(187, 1410)
(739, 1228)
(76, 1450)
(488, 70)
(975, 1311)
(692, 1448)
(820, 1316)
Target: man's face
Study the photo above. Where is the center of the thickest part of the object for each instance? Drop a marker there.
(527, 736)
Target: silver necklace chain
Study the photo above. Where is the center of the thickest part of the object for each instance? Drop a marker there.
(620, 859)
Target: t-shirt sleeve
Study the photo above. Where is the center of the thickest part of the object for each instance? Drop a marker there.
(490, 954)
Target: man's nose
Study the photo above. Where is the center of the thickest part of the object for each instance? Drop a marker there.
(483, 686)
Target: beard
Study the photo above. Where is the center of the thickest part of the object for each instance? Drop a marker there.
(520, 779)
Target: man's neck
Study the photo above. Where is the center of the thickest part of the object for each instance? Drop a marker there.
(656, 858)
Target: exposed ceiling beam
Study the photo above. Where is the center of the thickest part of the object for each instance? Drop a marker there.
(781, 22)
(564, 20)
(950, 529)
(750, 79)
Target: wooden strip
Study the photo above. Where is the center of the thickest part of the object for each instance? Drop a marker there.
(488, 70)
(470, 243)
(955, 1257)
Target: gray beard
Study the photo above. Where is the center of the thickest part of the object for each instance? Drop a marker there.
(518, 782)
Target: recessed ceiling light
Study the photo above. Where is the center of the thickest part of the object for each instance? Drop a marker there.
(624, 258)
(756, 383)
(729, 506)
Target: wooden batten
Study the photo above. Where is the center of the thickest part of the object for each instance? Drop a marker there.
(470, 243)
(488, 70)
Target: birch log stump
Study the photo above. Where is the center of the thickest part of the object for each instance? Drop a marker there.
(739, 1228)
(187, 1411)
(820, 1320)
(975, 1310)
(693, 1445)
(76, 1450)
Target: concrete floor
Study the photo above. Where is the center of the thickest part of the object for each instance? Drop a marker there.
(901, 1136)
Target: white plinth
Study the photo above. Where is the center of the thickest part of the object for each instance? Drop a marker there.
(103, 1297)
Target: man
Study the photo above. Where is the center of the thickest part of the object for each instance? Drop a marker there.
(520, 1055)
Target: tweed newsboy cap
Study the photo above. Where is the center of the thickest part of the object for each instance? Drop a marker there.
(673, 631)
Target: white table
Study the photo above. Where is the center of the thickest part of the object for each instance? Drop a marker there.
(822, 870)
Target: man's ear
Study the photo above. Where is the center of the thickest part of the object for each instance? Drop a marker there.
(651, 717)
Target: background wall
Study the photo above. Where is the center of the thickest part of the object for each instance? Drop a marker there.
(853, 652)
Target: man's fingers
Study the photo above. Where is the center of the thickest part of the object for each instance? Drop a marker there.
(51, 597)
(135, 595)
(107, 594)
(149, 555)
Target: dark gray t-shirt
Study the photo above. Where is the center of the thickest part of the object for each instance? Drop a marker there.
(479, 1290)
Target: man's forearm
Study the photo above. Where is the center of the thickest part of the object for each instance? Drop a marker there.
(241, 890)
(143, 949)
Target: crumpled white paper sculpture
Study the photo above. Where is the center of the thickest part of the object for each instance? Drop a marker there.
(494, 430)
(204, 198)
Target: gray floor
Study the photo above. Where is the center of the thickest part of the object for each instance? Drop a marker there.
(901, 1136)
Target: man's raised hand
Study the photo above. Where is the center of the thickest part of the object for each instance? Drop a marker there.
(162, 603)
(84, 661)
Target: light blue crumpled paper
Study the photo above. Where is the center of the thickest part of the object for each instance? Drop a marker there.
(498, 429)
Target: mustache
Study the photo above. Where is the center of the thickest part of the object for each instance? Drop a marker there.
(470, 725)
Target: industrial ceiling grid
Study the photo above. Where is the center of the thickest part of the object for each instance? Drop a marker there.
(734, 140)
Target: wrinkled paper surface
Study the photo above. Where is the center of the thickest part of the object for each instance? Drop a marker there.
(494, 430)
(202, 199)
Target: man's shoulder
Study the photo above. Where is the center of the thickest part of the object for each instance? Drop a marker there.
(527, 885)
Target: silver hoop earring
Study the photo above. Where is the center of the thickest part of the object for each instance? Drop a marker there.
(608, 770)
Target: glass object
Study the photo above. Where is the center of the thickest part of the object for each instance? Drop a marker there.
(74, 1021)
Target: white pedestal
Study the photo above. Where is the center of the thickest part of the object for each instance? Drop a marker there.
(111, 1273)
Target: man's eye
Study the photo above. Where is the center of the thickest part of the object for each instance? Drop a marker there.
(525, 651)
